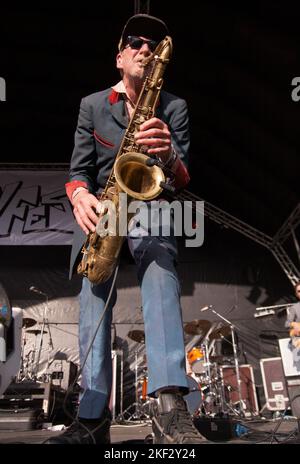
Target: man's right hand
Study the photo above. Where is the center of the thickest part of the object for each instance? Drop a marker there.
(84, 208)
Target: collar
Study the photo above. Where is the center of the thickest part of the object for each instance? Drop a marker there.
(119, 89)
(116, 92)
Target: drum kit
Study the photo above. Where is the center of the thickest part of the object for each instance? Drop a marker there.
(207, 394)
(141, 408)
(29, 364)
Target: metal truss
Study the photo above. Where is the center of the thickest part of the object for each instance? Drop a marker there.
(288, 226)
(288, 231)
(286, 263)
(221, 217)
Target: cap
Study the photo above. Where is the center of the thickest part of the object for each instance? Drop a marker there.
(146, 26)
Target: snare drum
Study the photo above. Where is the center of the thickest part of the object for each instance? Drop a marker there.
(197, 360)
(194, 397)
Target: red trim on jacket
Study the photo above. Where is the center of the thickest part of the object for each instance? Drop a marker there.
(182, 176)
(105, 142)
(114, 97)
(73, 185)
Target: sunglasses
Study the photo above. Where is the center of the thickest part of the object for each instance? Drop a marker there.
(135, 42)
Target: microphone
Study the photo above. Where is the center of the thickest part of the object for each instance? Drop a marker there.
(205, 308)
(36, 290)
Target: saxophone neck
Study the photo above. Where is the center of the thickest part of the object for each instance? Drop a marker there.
(148, 98)
(162, 53)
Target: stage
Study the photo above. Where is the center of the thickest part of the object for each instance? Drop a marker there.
(252, 431)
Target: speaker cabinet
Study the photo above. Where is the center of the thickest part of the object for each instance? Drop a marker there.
(247, 387)
(63, 373)
(215, 428)
(274, 382)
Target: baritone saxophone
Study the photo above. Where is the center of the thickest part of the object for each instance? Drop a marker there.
(130, 173)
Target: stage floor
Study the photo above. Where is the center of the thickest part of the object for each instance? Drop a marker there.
(258, 431)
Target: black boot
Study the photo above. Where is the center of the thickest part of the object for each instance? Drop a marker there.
(85, 431)
(172, 423)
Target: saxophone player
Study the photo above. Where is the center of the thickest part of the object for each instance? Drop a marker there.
(102, 121)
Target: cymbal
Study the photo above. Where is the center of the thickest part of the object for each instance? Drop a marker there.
(137, 335)
(197, 327)
(35, 331)
(221, 332)
(216, 358)
(28, 322)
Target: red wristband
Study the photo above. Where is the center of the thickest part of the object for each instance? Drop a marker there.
(73, 185)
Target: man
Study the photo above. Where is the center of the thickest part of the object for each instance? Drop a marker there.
(293, 323)
(103, 119)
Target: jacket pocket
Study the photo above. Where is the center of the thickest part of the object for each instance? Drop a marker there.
(103, 141)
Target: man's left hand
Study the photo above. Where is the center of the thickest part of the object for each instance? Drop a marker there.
(155, 134)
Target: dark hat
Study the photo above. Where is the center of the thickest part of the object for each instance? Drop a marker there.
(146, 26)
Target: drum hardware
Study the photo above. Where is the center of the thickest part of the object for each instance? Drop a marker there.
(44, 323)
(144, 385)
(137, 336)
(141, 408)
(28, 322)
(203, 370)
(35, 331)
(197, 327)
(194, 398)
(221, 332)
(23, 370)
(224, 332)
(203, 398)
(217, 359)
(212, 396)
(29, 372)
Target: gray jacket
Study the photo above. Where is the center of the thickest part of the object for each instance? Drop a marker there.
(101, 126)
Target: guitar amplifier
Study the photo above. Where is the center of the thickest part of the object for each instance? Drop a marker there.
(247, 385)
(62, 373)
(274, 382)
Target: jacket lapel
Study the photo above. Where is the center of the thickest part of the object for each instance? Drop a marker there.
(119, 113)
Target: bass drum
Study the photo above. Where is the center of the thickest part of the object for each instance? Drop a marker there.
(194, 397)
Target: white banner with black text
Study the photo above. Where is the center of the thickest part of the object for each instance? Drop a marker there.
(34, 208)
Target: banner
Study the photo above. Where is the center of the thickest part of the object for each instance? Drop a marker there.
(34, 208)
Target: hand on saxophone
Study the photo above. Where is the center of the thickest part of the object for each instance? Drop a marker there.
(84, 206)
(155, 134)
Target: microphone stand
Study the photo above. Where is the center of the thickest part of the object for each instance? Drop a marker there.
(45, 321)
(237, 369)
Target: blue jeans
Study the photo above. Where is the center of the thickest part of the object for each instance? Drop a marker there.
(155, 259)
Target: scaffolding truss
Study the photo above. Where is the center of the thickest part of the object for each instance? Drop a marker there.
(273, 244)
